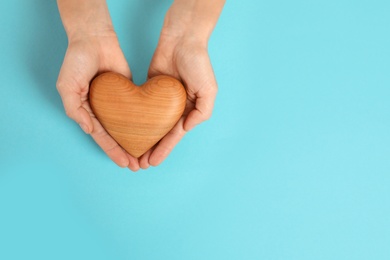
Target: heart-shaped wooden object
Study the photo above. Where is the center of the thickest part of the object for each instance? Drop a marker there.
(137, 117)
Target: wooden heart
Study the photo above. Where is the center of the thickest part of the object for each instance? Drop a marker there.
(137, 117)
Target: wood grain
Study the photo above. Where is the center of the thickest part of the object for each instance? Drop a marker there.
(137, 117)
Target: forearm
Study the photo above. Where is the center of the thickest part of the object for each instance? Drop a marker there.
(85, 17)
(193, 18)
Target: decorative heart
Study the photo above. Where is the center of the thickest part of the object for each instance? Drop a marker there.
(137, 117)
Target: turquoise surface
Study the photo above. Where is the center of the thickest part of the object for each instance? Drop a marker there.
(294, 163)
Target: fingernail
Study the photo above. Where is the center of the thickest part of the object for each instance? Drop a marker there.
(123, 163)
(85, 128)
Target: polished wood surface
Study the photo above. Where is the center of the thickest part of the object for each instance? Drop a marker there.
(137, 117)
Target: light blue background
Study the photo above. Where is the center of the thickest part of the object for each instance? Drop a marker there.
(294, 163)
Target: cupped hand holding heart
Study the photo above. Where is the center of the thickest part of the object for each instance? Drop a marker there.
(127, 122)
(137, 117)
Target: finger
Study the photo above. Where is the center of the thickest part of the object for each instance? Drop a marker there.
(109, 146)
(204, 105)
(74, 109)
(166, 145)
(161, 65)
(153, 73)
(144, 160)
(121, 66)
(133, 163)
(123, 70)
(203, 89)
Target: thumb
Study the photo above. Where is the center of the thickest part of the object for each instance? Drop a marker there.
(123, 70)
(202, 111)
(121, 66)
(73, 107)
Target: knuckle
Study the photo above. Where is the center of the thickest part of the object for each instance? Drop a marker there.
(207, 115)
(176, 132)
(111, 148)
(69, 113)
(63, 84)
(59, 85)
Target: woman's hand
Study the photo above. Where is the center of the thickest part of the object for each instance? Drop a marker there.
(182, 53)
(93, 48)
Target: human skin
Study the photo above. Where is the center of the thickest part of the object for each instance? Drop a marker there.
(93, 48)
(182, 53)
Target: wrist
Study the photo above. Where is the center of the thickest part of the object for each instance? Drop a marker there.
(80, 33)
(186, 27)
(192, 20)
(85, 18)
